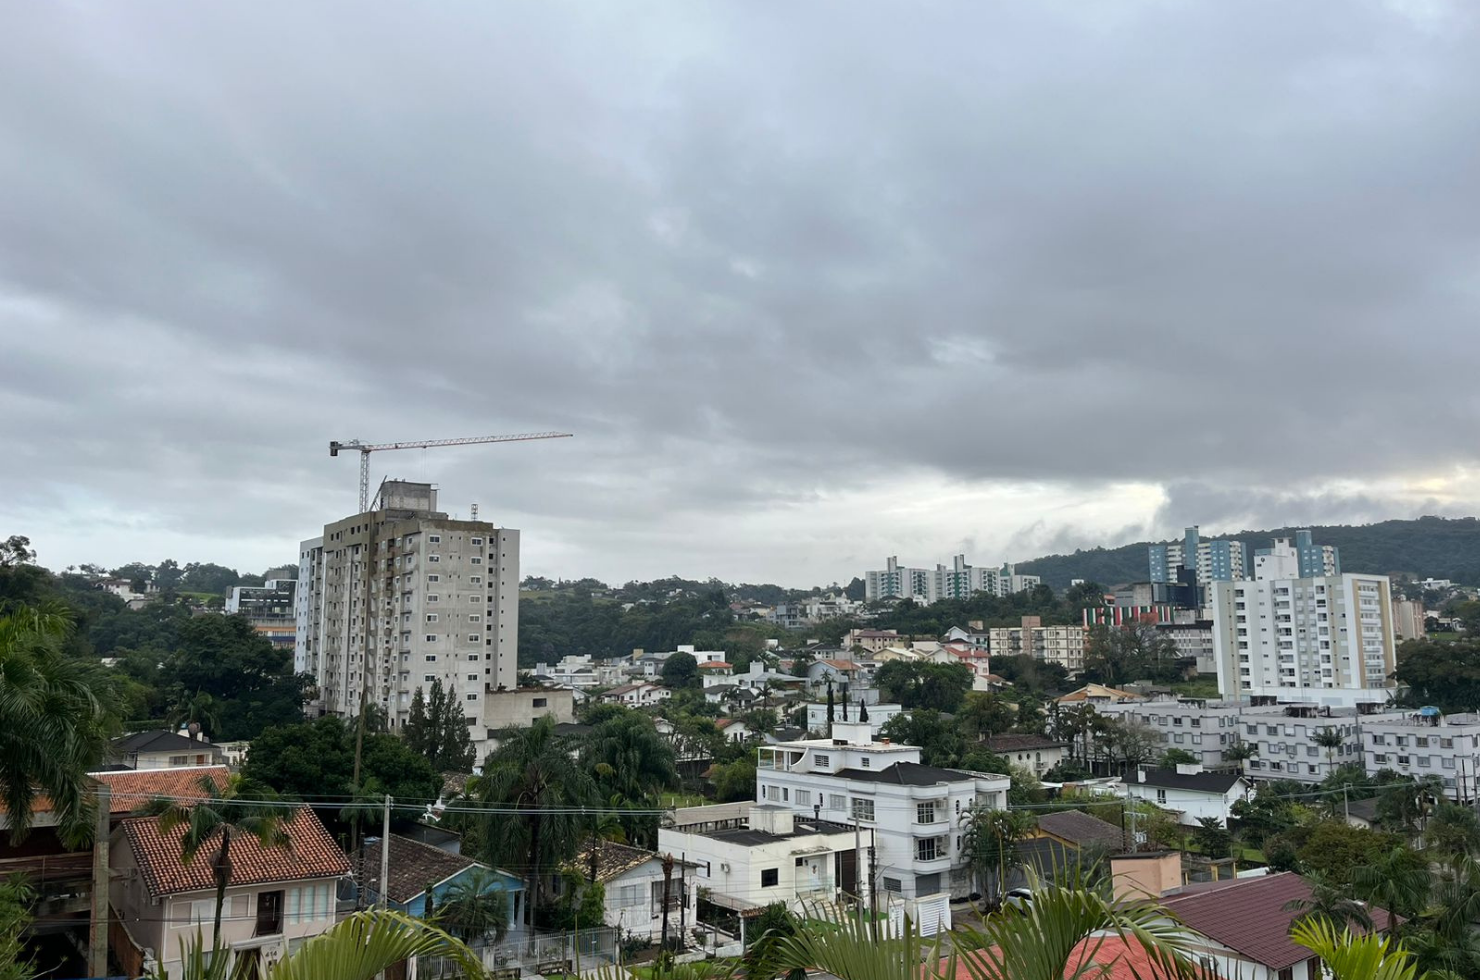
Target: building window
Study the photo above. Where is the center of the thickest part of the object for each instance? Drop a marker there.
(472, 697)
(821, 762)
(475, 617)
(434, 539)
(925, 812)
(773, 793)
(434, 558)
(863, 809)
(428, 678)
(927, 849)
(1161, 797)
(474, 560)
(474, 637)
(541, 702)
(434, 578)
(433, 597)
(431, 658)
(804, 797)
(431, 637)
(476, 579)
(837, 801)
(475, 541)
(770, 877)
(867, 762)
(893, 884)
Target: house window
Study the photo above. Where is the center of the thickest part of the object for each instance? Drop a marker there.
(925, 812)
(269, 913)
(474, 637)
(863, 809)
(179, 760)
(433, 597)
(1161, 797)
(475, 541)
(541, 702)
(837, 801)
(867, 762)
(804, 797)
(476, 580)
(475, 618)
(431, 617)
(770, 877)
(434, 557)
(821, 762)
(434, 578)
(434, 539)
(893, 884)
(428, 678)
(431, 637)
(927, 849)
(475, 559)
(773, 793)
(472, 697)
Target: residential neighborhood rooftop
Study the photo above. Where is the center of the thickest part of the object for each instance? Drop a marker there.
(912, 774)
(414, 866)
(1082, 829)
(1200, 782)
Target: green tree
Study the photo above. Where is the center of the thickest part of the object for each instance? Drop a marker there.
(1453, 832)
(990, 840)
(53, 723)
(222, 815)
(250, 681)
(680, 671)
(1397, 880)
(984, 714)
(1332, 903)
(1446, 675)
(1174, 757)
(437, 729)
(766, 937)
(1137, 650)
(16, 898)
(476, 908)
(1212, 837)
(734, 781)
(1130, 742)
(939, 743)
(1330, 739)
(916, 684)
(532, 792)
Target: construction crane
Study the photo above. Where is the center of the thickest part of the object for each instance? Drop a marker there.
(365, 451)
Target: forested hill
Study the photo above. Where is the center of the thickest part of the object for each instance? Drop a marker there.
(1427, 547)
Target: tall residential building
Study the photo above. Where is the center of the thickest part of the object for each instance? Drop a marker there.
(1062, 645)
(958, 581)
(270, 608)
(393, 599)
(1213, 561)
(1326, 639)
(1312, 560)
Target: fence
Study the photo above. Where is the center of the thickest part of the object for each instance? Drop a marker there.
(556, 952)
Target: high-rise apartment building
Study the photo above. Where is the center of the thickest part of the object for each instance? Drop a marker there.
(1327, 639)
(1213, 561)
(396, 598)
(958, 581)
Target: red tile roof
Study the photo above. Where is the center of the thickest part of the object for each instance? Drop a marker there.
(1248, 915)
(1117, 959)
(714, 665)
(840, 664)
(131, 789)
(311, 853)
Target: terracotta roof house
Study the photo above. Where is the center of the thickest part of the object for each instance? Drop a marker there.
(1098, 694)
(415, 869)
(1247, 926)
(1080, 830)
(278, 897)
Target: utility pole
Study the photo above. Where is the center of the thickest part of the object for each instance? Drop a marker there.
(873, 871)
(683, 901)
(667, 891)
(1346, 807)
(97, 931)
(385, 855)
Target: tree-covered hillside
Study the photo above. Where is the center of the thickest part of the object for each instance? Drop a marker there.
(1429, 546)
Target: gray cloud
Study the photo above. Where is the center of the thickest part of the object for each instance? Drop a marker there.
(811, 284)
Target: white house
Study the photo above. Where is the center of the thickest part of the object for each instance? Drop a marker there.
(910, 812)
(734, 729)
(1035, 753)
(633, 880)
(637, 695)
(1190, 791)
(1242, 927)
(769, 854)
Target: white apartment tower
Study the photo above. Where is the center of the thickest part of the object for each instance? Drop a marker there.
(958, 581)
(393, 599)
(1325, 639)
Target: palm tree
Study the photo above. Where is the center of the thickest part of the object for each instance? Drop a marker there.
(1399, 880)
(52, 722)
(1330, 903)
(1454, 831)
(1330, 739)
(220, 816)
(1049, 939)
(637, 760)
(1357, 957)
(990, 839)
(1240, 752)
(196, 709)
(533, 793)
(477, 908)
(362, 947)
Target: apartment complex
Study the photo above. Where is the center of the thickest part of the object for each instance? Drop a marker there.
(1213, 561)
(395, 598)
(271, 608)
(1326, 639)
(1426, 743)
(959, 581)
(1062, 645)
(909, 813)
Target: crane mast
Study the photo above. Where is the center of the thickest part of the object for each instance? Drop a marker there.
(365, 449)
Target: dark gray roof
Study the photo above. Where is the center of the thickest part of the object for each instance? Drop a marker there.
(1081, 829)
(803, 828)
(1363, 809)
(1013, 742)
(1202, 782)
(908, 774)
(159, 741)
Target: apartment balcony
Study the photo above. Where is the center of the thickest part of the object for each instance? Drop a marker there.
(924, 866)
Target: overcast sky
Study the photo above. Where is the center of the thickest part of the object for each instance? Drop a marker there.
(813, 283)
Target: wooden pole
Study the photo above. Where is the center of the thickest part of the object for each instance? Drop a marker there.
(97, 928)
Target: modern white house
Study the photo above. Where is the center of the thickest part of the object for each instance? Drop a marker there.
(1426, 743)
(583, 673)
(1189, 791)
(768, 853)
(637, 695)
(911, 813)
(1035, 753)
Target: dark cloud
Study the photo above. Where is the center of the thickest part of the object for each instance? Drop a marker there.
(813, 285)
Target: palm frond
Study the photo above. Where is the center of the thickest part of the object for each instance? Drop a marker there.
(367, 943)
(1354, 957)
